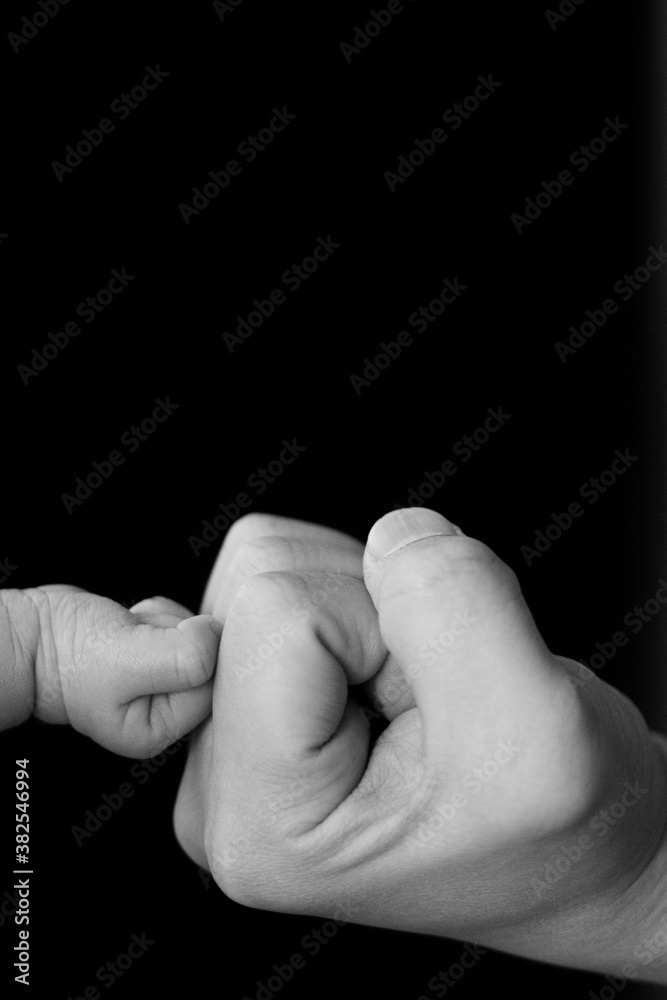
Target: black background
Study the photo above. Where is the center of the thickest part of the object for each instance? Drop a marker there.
(163, 336)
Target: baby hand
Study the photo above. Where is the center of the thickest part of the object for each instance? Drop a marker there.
(133, 680)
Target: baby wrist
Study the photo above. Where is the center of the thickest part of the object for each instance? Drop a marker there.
(19, 643)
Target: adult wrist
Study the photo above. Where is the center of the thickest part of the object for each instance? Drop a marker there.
(618, 929)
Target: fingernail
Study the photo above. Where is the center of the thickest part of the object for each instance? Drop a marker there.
(212, 623)
(401, 527)
(215, 627)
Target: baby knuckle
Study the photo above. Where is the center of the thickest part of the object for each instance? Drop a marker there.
(192, 665)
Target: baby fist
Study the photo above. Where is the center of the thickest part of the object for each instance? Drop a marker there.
(133, 680)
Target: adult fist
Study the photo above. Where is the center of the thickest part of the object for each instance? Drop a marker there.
(260, 545)
(502, 759)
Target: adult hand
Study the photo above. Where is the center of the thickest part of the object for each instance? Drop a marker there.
(258, 545)
(503, 762)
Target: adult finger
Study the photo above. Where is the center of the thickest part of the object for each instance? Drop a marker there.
(285, 719)
(263, 543)
(454, 617)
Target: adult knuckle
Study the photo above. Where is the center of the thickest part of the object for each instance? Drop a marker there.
(464, 564)
(266, 883)
(248, 526)
(261, 594)
(184, 830)
(263, 555)
(242, 886)
(240, 891)
(237, 866)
